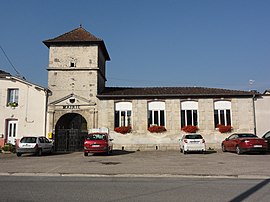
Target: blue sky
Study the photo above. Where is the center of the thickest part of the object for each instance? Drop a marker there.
(207, 43)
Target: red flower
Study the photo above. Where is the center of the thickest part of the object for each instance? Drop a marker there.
(123, 129)
(190, 129)
(224, 129)
(157, 129)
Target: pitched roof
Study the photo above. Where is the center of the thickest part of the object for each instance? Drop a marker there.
(78, 36)
(3, 73)
(165, 92)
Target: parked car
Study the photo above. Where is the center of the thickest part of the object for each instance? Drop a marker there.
(35, 145)
(192, 142)
(244, 142)
(98, 143)
(266, 136)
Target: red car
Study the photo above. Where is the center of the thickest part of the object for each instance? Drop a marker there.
(244, 142)
(98, 143)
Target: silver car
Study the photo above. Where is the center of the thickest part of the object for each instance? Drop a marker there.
(192, 142)
(35, 145)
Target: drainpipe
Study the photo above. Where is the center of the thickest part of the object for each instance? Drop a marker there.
(254, 113)
(46, 111)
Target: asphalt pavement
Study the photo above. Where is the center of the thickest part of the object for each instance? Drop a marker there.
(140, 164)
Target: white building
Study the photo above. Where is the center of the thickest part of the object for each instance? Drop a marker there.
(262, 109)
(22, 109)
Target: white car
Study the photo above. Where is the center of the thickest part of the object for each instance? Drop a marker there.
(35, 145)
(192, 142)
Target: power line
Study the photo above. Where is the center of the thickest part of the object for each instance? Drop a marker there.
(10, 61)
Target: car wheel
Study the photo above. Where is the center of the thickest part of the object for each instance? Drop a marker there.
(223, 148)
(85, 154)
(39, 152)
(238, 150)
(19, 154)
(185, 152)
(51, 151)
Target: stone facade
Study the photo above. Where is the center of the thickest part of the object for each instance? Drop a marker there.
(140, 138)
(76, 79)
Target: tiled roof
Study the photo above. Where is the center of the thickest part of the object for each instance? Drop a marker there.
(3, 73)
(77, 36)
(151, 92)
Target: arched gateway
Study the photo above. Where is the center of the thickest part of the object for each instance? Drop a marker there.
(70, 132)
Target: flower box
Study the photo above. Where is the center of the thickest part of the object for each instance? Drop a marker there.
(12, 104)
(123, 129)
(157, 129)
(190, 129)
(224, 129)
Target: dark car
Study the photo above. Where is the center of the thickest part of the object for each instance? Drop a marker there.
(266, 136)
(244, 142)
(98, 143)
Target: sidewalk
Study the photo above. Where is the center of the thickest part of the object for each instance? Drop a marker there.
(140, 163)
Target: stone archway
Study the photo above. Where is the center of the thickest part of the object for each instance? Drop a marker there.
(70, 132)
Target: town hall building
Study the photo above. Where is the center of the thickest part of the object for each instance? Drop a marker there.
(80, 100)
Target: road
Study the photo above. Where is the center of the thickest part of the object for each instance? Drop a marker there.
(109, 189)
(152, 163)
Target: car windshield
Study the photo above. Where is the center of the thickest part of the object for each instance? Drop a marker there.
(245, 135)
(96, 137)
(195, 136)
(28, 140)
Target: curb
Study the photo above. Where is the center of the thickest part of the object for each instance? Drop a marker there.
(137, 175)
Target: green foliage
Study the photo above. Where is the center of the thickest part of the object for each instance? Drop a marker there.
(9, 147)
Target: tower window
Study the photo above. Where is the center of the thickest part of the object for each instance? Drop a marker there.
(72, 64)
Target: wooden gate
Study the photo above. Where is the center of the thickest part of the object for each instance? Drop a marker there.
(69, 140)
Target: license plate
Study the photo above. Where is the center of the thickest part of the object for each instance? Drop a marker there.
(95, 145)
(257, 145)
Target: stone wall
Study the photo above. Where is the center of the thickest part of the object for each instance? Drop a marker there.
(140, 138)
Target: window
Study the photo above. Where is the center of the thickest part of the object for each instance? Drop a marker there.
(156, 113)
(72, 64)
(122, 114)
(189, 113)
(222, 113)
(13, 96)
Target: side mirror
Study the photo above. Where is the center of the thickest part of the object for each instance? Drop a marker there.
(111, 139)
(226, 139)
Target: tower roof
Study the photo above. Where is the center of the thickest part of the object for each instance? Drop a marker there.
(78, 36)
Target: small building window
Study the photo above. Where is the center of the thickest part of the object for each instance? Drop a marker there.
(156, 113)
(13, 97)
(189, 113)
(222, 113)
(122, 114)
(72, 64)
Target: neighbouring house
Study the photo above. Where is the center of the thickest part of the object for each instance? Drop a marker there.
(150, 118)
(262, 109)
(22, 109)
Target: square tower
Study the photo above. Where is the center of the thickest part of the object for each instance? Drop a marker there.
(77, 65)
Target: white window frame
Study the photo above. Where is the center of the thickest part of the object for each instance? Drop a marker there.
(190, 105)
(12, 131)
(223, 106)
(13, 95)
(124, 107)
(157, 106)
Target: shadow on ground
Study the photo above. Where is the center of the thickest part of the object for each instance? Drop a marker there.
(115, 153)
